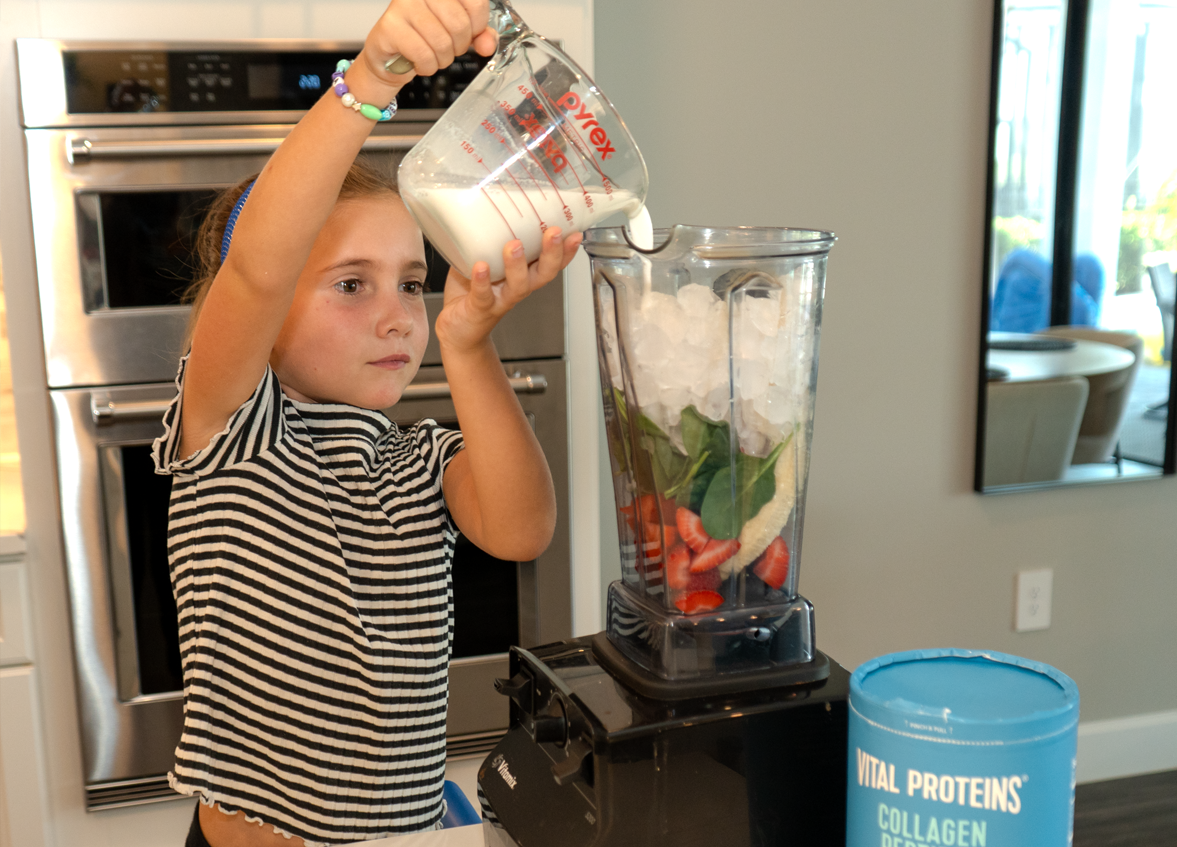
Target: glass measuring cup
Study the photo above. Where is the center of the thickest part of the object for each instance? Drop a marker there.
(708, 351)
(531, 143)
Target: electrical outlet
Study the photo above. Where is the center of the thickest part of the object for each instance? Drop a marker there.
(1032, 600)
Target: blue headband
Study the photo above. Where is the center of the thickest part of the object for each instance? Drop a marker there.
(229, 224)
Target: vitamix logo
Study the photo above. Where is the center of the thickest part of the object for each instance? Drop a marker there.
(500, 766)
(597, 135)
(995, 793)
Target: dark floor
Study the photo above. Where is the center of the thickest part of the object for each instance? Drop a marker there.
(1137, 811)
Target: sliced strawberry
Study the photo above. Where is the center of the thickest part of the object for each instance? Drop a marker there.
(678, 566)
(773, 565)
(649, 508)
(704, 581)
(690, 527)
(714, 554)
(627, 512)
(696, 602)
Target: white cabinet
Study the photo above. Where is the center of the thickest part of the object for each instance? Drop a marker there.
(22, 801)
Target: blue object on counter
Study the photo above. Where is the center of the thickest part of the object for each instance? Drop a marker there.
(960, 747)
(459, 811)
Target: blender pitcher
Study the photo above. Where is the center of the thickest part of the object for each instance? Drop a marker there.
(708, 357)
(531, 143)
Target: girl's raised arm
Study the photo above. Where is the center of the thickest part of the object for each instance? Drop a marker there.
(248, 300)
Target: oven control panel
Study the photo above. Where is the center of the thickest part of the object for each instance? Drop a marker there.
(105, 81)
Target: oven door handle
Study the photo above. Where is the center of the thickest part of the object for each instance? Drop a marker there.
(105, 411)
(80, 150)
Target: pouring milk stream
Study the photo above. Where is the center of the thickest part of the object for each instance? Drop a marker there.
(531, 143)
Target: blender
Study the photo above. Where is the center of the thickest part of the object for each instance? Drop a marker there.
(704, 713)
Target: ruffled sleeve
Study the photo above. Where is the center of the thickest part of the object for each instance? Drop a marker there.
(253, 429)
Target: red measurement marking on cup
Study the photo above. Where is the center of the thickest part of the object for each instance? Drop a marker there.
(548, 177)
(469, 148)
(506, 223)
(576, 142)
(550, 145)
(510, 110)
(500, 188)
(542, 224)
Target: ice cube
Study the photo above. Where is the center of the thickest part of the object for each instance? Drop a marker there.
(645, 386)
(715, 403)
(751, 377)
(761, 313)
(675, 399)
(751, 430)
(696, 300)
(650, 347)
(777, 408)
(664, 311)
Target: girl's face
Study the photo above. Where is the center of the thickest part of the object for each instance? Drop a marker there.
(357, 328)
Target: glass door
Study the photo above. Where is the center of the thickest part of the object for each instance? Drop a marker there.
(1125, 230)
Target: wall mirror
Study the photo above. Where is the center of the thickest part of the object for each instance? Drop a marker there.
(1076, 380)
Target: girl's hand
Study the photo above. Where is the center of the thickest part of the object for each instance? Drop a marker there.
(429, 33)
(474, 306)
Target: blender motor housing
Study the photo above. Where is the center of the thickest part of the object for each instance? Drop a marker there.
(587, 761)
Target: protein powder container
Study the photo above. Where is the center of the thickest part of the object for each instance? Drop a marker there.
(960, 748)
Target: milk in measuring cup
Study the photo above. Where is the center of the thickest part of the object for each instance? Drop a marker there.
(487, 217)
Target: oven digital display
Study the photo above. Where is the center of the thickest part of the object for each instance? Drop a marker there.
(273, 81)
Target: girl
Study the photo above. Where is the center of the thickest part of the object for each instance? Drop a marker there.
(310, 539)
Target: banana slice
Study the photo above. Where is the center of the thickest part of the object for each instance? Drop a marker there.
(766, 524)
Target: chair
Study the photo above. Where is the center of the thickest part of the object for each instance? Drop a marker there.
(1031, 428)
(1021, 302)
(1107, 398)
(1164, 288)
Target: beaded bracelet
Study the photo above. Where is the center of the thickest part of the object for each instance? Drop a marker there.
(374, 113)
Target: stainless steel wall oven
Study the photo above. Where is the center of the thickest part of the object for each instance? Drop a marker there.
(127, 143)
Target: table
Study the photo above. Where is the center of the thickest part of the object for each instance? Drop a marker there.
(1086, 358)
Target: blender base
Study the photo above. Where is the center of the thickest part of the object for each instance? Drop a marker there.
(588, 762)
(634, 676)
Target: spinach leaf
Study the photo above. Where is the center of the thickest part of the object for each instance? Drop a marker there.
(725, 511)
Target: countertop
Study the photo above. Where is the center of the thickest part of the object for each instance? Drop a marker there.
(463, 836)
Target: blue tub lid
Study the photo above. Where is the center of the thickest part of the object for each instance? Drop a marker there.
(964, 696)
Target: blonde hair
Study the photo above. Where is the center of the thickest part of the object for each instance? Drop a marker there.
(365, 178)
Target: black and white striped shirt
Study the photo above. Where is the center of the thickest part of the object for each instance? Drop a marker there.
(310, 553)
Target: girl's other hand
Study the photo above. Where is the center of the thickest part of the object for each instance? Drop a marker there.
(429, 33)
(474, 306)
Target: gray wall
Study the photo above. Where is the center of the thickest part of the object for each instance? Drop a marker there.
(870, 119)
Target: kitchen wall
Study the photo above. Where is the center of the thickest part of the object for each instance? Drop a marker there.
(870, 119)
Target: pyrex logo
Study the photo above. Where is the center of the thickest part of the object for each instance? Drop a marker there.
(597, 135)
